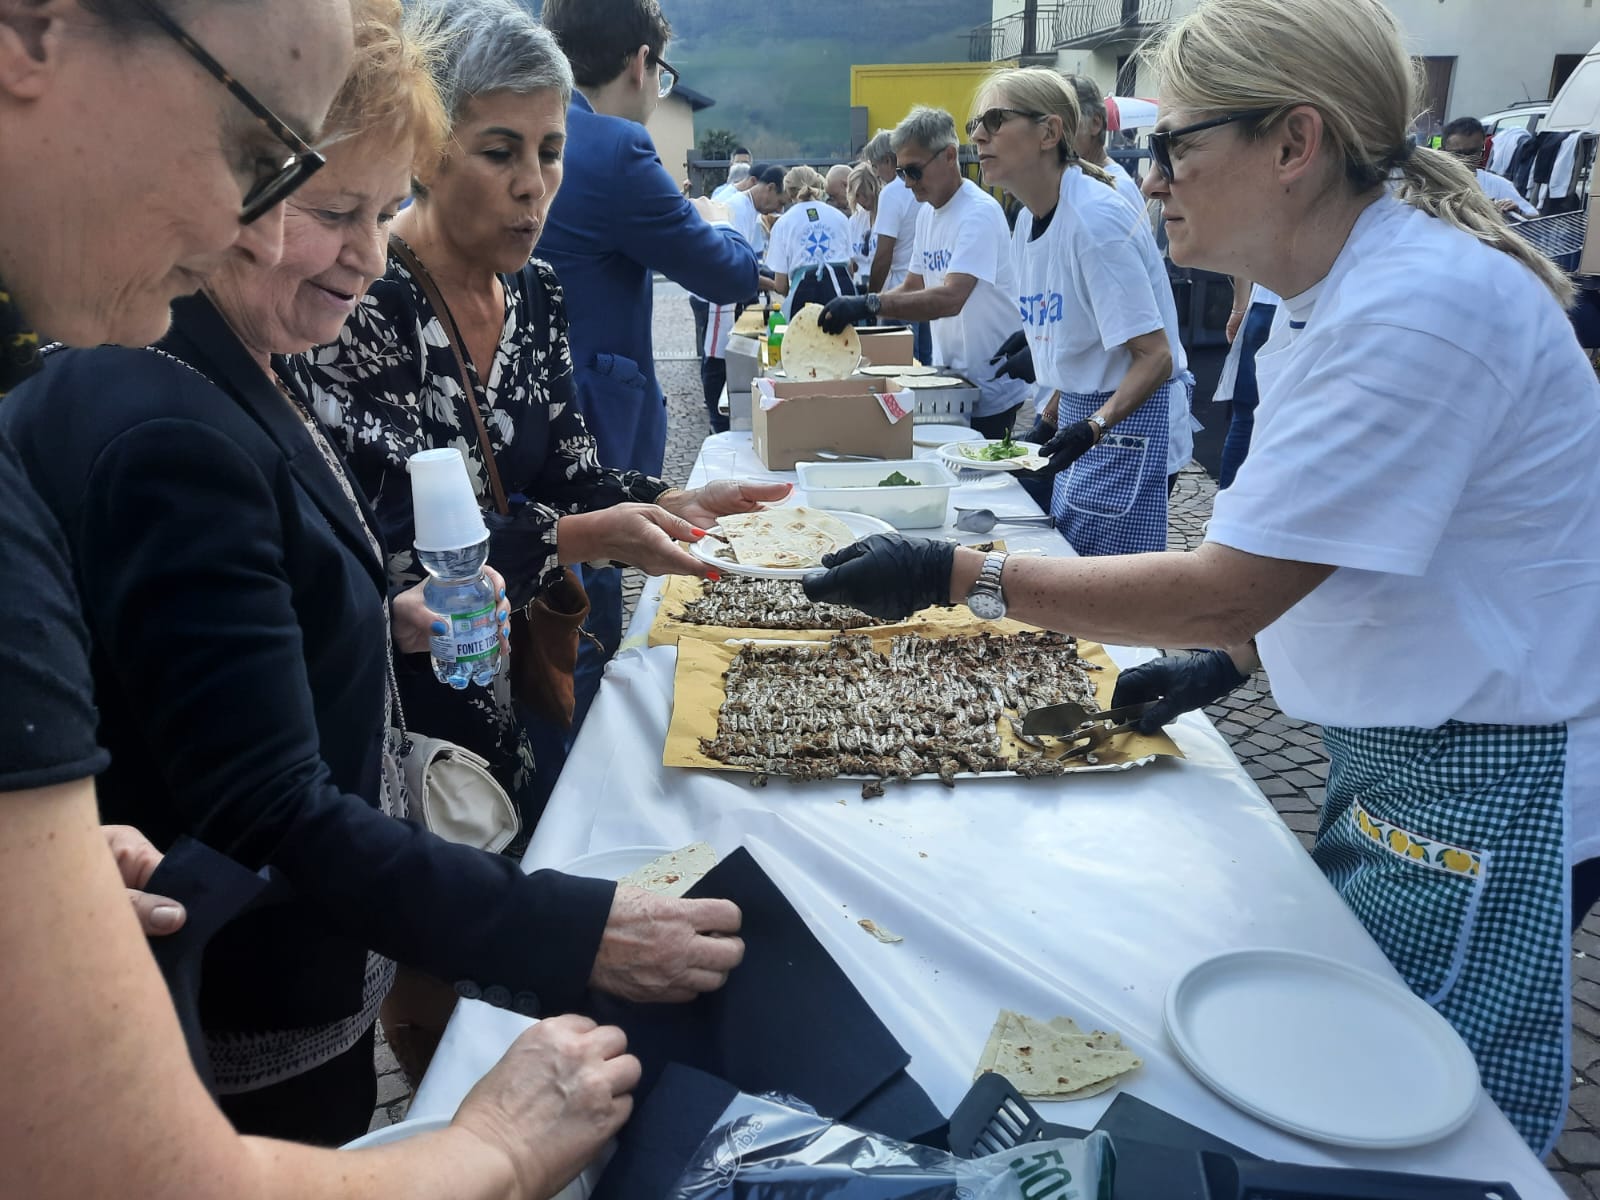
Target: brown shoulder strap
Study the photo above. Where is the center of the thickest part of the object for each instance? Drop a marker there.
(430, 289)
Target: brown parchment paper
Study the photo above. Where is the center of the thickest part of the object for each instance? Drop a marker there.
(698, 692)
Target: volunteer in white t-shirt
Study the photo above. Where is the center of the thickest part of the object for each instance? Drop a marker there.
(1255, 312)
(811, 235)
(1098, 313)
(1090, 142)
(894, 229)
(961, 276)
(1465, 138)
(862, 196)
(1411, 541)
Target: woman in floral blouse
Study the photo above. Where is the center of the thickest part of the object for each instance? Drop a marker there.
(390, 386)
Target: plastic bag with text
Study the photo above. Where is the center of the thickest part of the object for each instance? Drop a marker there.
(760, 1149)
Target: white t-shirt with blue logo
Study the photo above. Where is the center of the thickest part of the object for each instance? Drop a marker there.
(1090, 284)
(812, 231)
(968, 236)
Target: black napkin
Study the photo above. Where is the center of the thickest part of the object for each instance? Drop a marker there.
(213, 890)
(787, 1022)
(655, 1147)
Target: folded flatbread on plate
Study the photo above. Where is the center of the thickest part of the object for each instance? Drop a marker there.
(784, 537)
(810, 355)
(675, 873)
(1055, 1060)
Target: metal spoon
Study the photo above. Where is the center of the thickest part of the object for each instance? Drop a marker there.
(835, 456)
(982, 520)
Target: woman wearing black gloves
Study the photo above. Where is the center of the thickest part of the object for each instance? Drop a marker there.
(1410, 543)
(1100, 326)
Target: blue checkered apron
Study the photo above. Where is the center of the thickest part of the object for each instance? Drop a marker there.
(1450, 846)
(1113, 500)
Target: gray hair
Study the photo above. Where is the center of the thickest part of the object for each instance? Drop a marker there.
(931, 128)
(879, 149)
(1091, 104)
(490, 46)
(739, 172)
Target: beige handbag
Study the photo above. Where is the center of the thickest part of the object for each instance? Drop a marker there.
(446, 787)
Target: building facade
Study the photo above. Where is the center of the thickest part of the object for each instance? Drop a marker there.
(1478, 55)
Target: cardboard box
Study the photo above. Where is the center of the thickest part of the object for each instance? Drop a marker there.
(842, 415)
(886, 347)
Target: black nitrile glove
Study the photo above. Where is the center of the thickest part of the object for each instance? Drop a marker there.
(1017, 355)
(841, 312)
(885, 576)
(1041, 433)
(1068, 446)
(1179, 683)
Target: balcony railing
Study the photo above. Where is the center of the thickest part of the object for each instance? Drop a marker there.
(1091, 23)
(1009, 36)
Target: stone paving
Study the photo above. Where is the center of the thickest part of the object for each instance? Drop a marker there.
(1285, 757)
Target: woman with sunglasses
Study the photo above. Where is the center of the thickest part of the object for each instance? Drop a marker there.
(1411, 541)
(98, 102)
(1097, 312)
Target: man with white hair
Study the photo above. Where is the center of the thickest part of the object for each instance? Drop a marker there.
(1091, 140)
(960, 278)
(837, 180)
(738, 174)
(894, 230)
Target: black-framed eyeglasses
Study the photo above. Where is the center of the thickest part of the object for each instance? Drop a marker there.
(1161, 140)
(913, 173)
(667, 80)
(992, 119)
(303, 162)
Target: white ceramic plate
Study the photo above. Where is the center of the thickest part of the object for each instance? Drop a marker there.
(890, 370)
(1380, 1070)
(944, 435)
(616, 862)
(859, 524)
(931, 382)
(951, 453)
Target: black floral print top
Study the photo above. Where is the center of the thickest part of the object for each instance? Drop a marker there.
(389, 388)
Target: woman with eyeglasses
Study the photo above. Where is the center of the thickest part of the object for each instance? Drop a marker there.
(1410, 543)
(411, 373)
(1097, 313)
(91, 1041)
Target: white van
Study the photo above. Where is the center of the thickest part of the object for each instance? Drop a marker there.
(1577, 104)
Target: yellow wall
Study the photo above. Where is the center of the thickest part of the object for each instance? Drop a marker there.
(890, 90)
(672, 129)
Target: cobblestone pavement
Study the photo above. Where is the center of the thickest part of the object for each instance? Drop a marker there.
(1285, 757)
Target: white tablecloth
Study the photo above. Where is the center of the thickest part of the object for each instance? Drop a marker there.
(1084, 896)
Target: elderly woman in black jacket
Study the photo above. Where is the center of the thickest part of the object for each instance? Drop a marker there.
(237, 599)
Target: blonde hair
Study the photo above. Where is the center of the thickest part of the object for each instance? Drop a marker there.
(864, 185)
(389, 93)
(1348, 61)
(802, 183)
(1039, 89)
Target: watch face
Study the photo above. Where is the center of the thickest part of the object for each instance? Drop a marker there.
(986, 606)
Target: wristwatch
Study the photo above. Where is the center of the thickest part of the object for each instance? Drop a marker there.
(1101, 424)
(986, 599)
(874, 303)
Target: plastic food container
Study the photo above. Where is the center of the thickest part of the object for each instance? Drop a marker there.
(853, 487)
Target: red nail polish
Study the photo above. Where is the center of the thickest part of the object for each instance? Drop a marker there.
(697, 532)
(714, 576)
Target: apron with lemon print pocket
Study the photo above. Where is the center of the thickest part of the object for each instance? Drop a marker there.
(1113, 500)
(1450, 846)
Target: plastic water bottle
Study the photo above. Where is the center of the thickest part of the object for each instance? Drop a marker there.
(452, 545)
(458, 590)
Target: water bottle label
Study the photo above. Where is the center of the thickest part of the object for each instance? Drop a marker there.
(473, 637)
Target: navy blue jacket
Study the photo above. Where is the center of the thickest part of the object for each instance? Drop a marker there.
(618, 217)
(236, 610)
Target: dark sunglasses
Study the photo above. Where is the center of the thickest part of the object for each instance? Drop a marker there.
(913, 173)
(1161, 141)
(993, 118)
(303, 162)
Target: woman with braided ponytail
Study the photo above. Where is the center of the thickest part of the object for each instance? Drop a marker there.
(1097, 313)
(1412, 536)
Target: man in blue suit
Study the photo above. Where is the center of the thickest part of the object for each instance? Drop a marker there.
(618, 217)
